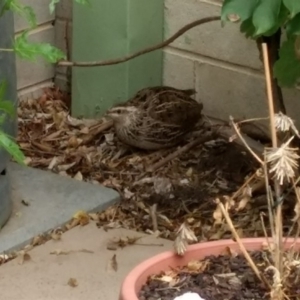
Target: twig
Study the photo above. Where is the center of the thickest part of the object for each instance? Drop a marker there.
(141, 52)
(242, 247)
(278, 226)
(244, 185)
(264, 228)
(244, 142)
(227, 132)
(252, 120)
(187, 147)
(101, 128)
(153, 215)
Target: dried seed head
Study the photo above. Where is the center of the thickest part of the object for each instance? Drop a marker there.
(180, 245)
(283, 161)
(186, 233)
(284, 123)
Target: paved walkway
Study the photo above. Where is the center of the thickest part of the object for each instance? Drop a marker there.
(46, 276)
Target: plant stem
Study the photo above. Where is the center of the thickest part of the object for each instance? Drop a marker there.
(237, 131)
(242, 247)
(274, 43)
(278, 221)
(6, 50)
(165, 43)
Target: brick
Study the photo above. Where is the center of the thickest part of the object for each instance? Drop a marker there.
(229, 91)
(178, 70)
(226, 92)
(64, 9)
(41, 10)
(30, 73)
(35, 91)
(210, 40)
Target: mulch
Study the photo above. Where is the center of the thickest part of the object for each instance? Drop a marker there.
(224, 277)
(184, 189)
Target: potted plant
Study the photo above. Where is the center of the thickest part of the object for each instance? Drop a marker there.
(9, 47)
(252, 268)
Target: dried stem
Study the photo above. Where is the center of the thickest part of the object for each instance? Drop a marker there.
(244, 142)
(251, 120)
(244, 185)
(278, 222)
(153, 214)
(181, 150)
(242, 247)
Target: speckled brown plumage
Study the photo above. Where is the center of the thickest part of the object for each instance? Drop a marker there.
(156, 118)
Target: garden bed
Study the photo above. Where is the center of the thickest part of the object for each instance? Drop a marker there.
(183, 189)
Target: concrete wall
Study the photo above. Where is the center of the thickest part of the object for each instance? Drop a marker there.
(33, 76)
(219, 63)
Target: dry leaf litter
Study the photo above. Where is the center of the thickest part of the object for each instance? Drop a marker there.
(182, 190)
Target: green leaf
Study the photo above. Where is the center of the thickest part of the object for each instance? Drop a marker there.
(3, 87)
(293, 6)
(247, 28)
(293, 26)
(7, 107)
(266, 16)
(23, 10)
(287, 68)
(52, 5)
(30, 51)
(11, 147)
(242, 8)
(54, 2)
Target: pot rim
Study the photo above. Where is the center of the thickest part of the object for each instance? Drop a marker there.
(129, 285)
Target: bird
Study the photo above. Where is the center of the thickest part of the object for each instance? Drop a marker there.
(156, 117)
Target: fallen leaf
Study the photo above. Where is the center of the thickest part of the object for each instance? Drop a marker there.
(82, 217)
(94, 216)
(25, 203)
(228, 251)
(113, 264)
(73, 282)
(23, 257)
(74, 142)
(60, 252)
(112, 246)
(127, 194)
(38, 240)
(78, 176)
(162, 185)
(53, 163)
(66, 167)
(218, 215)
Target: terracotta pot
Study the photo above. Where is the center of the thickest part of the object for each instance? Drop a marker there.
(162, 262)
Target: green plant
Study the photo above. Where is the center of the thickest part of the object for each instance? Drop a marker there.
(264, 21)
(23, 48)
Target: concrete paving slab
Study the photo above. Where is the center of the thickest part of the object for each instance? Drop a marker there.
(46, 276)
(53, 200)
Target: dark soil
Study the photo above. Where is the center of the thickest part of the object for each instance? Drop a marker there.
(222, 277)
